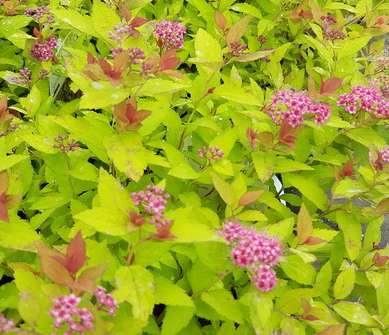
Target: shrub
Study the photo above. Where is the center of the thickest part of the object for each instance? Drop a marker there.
(194, 167)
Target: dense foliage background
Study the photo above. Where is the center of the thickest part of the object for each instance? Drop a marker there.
(194, 167)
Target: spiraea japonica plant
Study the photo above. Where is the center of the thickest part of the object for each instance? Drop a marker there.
(194, 167)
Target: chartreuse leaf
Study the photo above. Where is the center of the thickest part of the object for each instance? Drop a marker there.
(135, 285)
(102, 94)
(323, 279)
(350, 47)
(264, 164)
(309, 188)
(208, 52)
(383, 295)
(73, 18)
(224, 303)
(176, 318)
(104, 18)
(169, 293)
(344, 283)
(158, 86)
(295, 268)
(180, 167)
(110, 214)
(190, 226)
(237, 94)
(128, 154)
(261, 308)
(34, 300)
(8, 161)
(354, 313)
(17, 234)
(224, 189)
(352, 233)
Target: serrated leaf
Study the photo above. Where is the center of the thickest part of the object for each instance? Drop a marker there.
(344, 283)
(169, 293)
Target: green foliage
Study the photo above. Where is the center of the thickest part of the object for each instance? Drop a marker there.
(86, 129)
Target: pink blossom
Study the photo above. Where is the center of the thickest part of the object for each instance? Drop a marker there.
(44, 50)
(233, 231)
(264, 278)
(367, 99)
(65, 311)
(384, 153)
(237, 48)
(210, 153)
(136, 55)
(105, 300)
(6, 326)
(290, 106)
(170, 34)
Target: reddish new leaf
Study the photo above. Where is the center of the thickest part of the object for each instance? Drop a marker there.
(379, 260)
(169, 60)
(313, 240)
(75, 254)
(347, 170)
(136, 219)
(330, 86)
(383, 207)
(138, 21)
(128, 116)
(333, 330)
(164, 231)
(237, 30)
(220, 20)
(88, 278)
(249, 197)
(288, 134)
(52, 266)
(3, 208)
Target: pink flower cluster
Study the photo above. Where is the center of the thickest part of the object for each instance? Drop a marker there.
(170, 34)
(331, 33)
(290, 106)
(39, 12)
(384, 153)
(237, 48)
(121, 31)
(210, 153)
(44, 50)
(6, 325)
(254, 250)
(136, 54)
(65, 311)
(105, 300)
(367, 99)
(152, 202)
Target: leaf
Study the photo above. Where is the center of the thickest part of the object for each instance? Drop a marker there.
(224, 189)
(263, 164)
(295, 268)
(333, 330)
(282, 165)
(330, 85)
(18, 234)
(224, 303)
(88, 278)
(9, 161)
(103, 18)
(157, 86)
(354, 313)
(135, 285)
(352, 232)
(75, 254)
(350, 47)
(73, 18)
(344, 283)
(323, 279)
(237, 94)
(168, 293)
(309, 188)
(236, 32)
(304, 225)
(252, 56)
(128, 154)
(249, 197)
(102, 94)
(207, 48)
(176, 318)
(382, 207)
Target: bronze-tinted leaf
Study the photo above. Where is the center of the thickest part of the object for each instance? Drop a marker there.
(88, 278)
(249, 197)
(330, 86)
(304, 225)
(169, 60)
(333, 330)
(75, 254)
(220, 20)
(237, 30)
